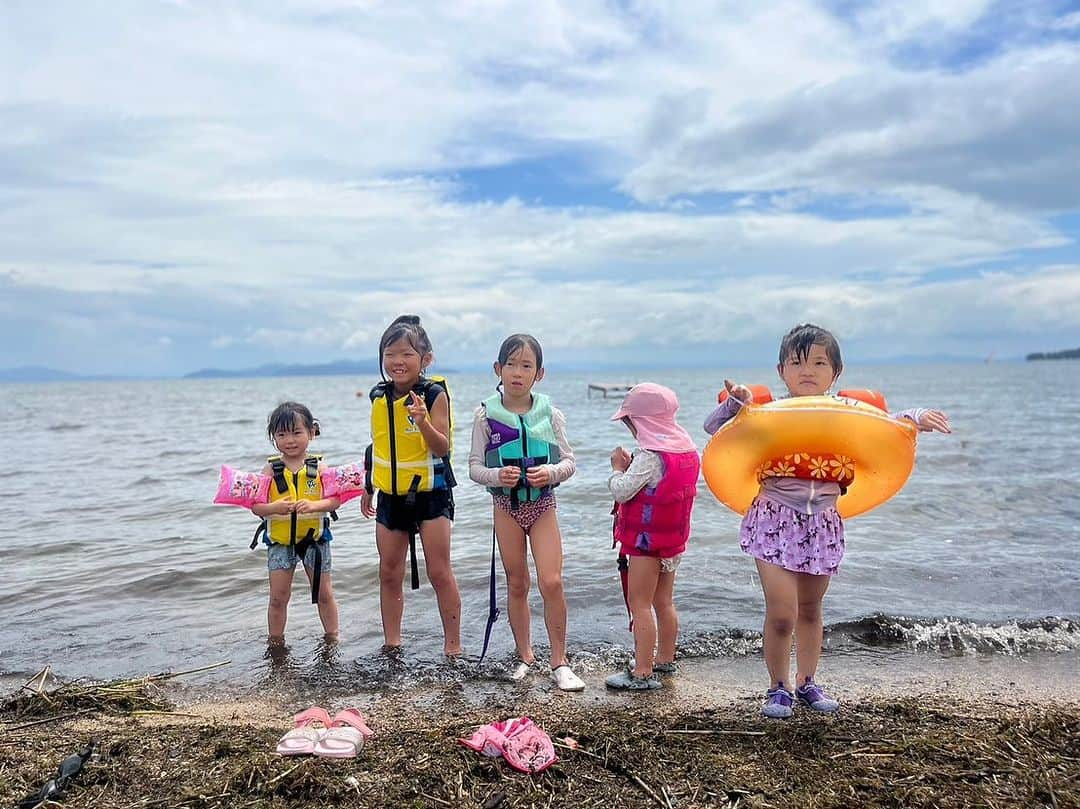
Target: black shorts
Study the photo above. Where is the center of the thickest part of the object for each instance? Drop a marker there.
(395, 514)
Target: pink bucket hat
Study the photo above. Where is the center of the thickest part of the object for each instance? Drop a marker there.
(652, 409)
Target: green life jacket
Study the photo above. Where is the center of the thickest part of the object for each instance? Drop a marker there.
(520, 439)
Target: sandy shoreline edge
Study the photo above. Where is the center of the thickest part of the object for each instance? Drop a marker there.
(999, 731)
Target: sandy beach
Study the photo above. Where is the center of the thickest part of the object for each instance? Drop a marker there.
(913, 731)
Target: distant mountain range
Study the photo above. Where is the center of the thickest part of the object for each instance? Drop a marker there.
(1067, 354)
(39, 373)
(336, 368)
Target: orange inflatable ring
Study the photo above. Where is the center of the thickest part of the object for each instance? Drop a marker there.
(816, 437)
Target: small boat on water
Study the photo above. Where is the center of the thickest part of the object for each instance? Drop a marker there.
(613, 388)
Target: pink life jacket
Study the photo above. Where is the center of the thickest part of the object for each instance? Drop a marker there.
(656, 521)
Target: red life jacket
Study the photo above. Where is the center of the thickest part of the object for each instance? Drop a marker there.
(656, 521)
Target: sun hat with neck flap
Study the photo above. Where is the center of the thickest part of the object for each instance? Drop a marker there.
(652, 410)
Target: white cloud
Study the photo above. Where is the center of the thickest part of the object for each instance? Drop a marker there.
(203, 175)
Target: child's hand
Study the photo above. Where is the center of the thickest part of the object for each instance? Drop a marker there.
(282, 506)
(740, 392)
(365, 505)
(620, 459)
(538, 476)
(509, 475)
(303, 506)
(932, 420)
(417, 409)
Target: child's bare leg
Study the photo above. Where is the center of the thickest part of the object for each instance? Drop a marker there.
(511, 541)
(643, 580)
(667, 619)
(808, 626)
(328, 611)
(546, 541)
(435, 537)
(781, 605)
(392, 545)
(277, 612)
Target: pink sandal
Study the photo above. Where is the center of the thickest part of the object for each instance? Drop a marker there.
(302, 739)
(346, 735)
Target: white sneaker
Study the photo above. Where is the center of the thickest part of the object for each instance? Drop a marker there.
(520, 670)
(566, 680)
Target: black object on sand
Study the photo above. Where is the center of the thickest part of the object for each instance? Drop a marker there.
(54, 787)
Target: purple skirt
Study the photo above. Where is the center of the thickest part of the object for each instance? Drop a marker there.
(801, 543)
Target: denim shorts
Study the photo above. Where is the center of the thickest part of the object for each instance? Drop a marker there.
(283, 557)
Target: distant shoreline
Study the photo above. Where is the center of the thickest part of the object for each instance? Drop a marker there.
(1067, 354)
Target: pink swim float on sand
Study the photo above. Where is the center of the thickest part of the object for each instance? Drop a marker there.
(525, 747)
(244, 489)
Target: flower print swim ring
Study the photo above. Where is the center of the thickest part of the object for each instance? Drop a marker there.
(848, 439)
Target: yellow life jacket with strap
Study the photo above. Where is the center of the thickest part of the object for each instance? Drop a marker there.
(301, 531)
(304, 484)
(401, 461)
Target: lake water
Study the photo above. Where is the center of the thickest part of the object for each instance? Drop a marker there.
(119, 564)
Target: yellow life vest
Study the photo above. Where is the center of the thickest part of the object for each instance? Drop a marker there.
(304, 484)
(401, 461)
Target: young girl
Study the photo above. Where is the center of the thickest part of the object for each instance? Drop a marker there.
(654, 491)
(794, 532)
(410, 468)
(296, 520)
(520, 451)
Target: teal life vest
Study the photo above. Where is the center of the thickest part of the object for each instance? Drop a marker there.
(520, 439)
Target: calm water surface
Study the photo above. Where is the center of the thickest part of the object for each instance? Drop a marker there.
(120, 565)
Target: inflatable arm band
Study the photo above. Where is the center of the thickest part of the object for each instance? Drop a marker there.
(343, 482)
(244, 489)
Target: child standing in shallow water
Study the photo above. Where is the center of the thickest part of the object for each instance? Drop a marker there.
(410, 468)
(654, 491)
(794, 531)
(519, 451)
(296, 520)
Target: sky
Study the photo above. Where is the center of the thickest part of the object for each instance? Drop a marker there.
(189, 184)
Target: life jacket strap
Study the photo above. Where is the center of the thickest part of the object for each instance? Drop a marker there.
(277, 469)
(624, 576)
(303, 547)
(493, 602)
(522, 484)
(260, 531)
(414, 569)
(623, 565)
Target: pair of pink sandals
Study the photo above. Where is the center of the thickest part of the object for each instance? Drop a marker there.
(316, 734)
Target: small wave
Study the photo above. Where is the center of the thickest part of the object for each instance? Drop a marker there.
(958, 636)
(65, 427)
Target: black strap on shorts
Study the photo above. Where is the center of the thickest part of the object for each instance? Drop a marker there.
(410, 502)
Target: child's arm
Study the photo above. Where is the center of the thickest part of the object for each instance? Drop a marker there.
(478, 470)
(645, 469)
(926, 420)
(277, 507)
(550, 473)
(738, 395)
(723, 413)
(433, 424)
